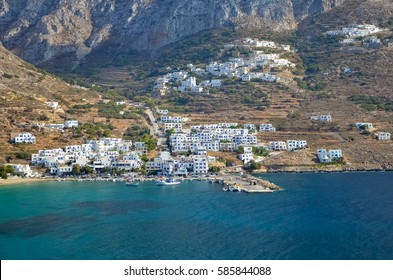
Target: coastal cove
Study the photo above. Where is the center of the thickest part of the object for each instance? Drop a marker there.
(316, 216)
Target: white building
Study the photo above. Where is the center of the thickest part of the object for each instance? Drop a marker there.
(53, 105)
(162, 112)
(325, 156)
(23, 138)
(356, 30)
(71, 123)
(73, 148)
(247, 155)
(266, 127)
(324, 118)
(178, 76)
(296, 144)
(55, 126)
(277, 145)
(200, 165)
(215, 83)
(201, 151)
(174, 119)
(250, 126)
(383, 135)
(177, 127)
(61, 170)
(22, 169)
(362, 125)
(335, 154)
(190, 83)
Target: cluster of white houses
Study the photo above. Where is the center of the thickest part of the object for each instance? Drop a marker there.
(249, 42)
(256, 66)
(356, 30)
(369, 126)
(224, 137)
(29, 138)
(165, 164)
(213, 137)
(106, 152)
(60, 126)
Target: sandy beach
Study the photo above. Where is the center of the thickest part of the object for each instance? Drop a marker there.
(19, 181)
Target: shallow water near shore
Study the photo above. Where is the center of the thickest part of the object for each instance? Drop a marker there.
(316, 216)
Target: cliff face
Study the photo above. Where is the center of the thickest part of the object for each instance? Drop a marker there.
(37, 30)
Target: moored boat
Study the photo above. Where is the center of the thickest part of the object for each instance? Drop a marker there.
(132, 183)
(168, 182)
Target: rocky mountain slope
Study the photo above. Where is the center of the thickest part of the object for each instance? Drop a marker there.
(41, 29)
(23, 85)
(24, 91)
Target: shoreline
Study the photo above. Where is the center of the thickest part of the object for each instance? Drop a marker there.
(21, 181)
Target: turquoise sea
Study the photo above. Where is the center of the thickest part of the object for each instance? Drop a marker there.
(316, 216)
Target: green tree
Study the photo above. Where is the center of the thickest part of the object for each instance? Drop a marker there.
(106, 170)
(240, 150)
(76, 169)
(150, 142)
(144, 158)
(9, 169)
(107, 133)
(87, 169)
(214, 169)
(260, 151)
(252, 165)
(22, 155)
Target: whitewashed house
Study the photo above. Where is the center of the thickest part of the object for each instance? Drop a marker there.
(247, 155)
(277, 145)
(73, 148)
(177, 127)
(200, 165)
(335, 154)
(296, 144)
(362, 125)
(266, 127)
(53, 105)
(324, 118)
(71, 123)
(250, 126)
(201, 151)
(383, 135)
(61, 170)
(22, 169)
(162, 112)
(55, 126)
(325, 157)
(23, 138)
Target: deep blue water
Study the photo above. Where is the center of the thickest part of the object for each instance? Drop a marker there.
(317, 216)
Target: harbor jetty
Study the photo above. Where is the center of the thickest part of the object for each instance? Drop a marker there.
(245, 183)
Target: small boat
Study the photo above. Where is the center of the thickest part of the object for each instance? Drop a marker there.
(168, 182)
(132, 183)
(233, 189)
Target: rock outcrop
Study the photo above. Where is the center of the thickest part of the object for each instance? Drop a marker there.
(38, 30)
